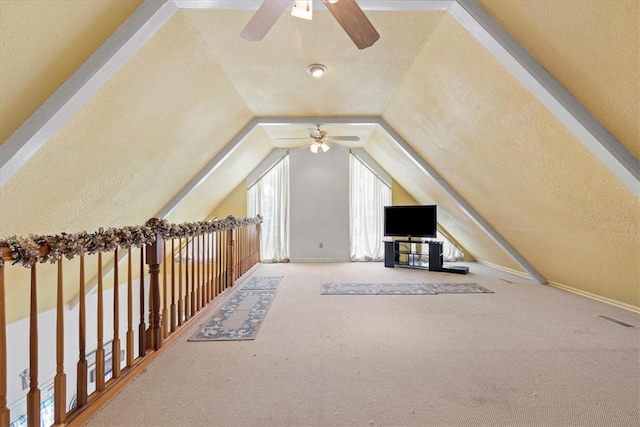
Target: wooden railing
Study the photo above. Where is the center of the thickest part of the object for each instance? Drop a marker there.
(189, 266)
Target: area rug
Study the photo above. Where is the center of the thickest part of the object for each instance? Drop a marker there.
(263, 282)
(457, 288)
(376, 289)
(238, 319)
(401, 288)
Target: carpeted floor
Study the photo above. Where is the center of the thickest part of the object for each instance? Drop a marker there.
(525, 355)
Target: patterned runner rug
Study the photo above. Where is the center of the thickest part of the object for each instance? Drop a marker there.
(458, 288)
(238, 319)
(375, 289)
(263, 282)
(401, 288)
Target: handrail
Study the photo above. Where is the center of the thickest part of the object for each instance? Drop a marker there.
(217, 253)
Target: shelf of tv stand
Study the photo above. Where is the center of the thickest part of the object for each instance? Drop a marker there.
(412, 253)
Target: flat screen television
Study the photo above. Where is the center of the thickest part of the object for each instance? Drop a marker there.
(410, 221)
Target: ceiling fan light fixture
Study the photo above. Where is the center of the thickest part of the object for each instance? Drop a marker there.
(316, 70)
(302, 9)
(314, 148)
(325, 147)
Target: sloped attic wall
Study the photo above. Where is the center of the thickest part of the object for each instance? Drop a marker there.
(39, 54)
(123, 156)
(592, 48)
(532, 180)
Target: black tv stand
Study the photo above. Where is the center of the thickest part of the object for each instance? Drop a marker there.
(426, 255)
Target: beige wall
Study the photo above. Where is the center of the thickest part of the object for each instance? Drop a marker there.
(399, 195)
(235, 204)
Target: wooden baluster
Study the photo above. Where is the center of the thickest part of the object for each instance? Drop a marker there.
(219, 251)
(247, 247)
(155, 254)
(165, 309)
(130, 355)
(224, 246)
(115, 344)
(4, 411)
(210, 266)
(180, 293)
(81, 383)
(193, 277)
(239, 242)
(173, 286)
(238, 245)
(187, 296)
(243, 250)
(205, 270)
(150, 336)
(100, 331)
(203, 280)
(33, 396)
(198, 285)
(60, 380)
(142, 332)
(203, 276)
(223, 261)
(230, 260)
(216, 257)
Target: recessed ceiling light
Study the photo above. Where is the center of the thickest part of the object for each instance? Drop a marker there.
(316, 70)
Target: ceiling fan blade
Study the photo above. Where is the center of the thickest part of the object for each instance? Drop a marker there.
(293, 139)
(353, 20)
(264, 18)
(345, 138)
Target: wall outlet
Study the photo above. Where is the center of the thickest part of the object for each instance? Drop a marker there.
(320, 245)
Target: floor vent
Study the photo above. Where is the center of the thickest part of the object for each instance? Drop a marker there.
(508, 281)
(617, 322)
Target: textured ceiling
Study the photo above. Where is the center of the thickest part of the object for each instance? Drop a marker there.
(195, 86)
(271, 76)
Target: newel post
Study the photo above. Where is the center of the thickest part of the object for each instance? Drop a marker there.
(154, 259)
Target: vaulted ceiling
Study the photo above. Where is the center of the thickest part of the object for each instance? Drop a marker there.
(520, 119)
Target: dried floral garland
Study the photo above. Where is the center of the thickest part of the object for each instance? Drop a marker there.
(32, 249)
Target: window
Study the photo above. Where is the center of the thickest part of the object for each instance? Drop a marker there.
(269, 197)
(368, 196)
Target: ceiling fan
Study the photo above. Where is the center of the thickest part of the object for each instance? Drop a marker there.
(347, 12)
(319, 140)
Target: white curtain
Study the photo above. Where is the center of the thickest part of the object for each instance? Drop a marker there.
(269, 197)
(450, 252)
(368, 197)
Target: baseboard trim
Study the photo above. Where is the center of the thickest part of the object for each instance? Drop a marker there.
(596, 297)
(505, 269)
(319, 260)
(568, 288)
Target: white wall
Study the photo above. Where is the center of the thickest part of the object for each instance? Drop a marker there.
(319, 206)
